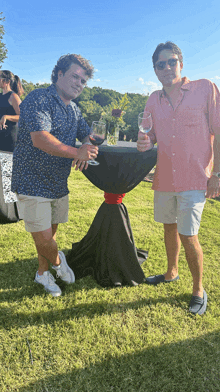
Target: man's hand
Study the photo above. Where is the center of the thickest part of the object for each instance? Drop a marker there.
(144, 143)
(213, 189)
(84, 153)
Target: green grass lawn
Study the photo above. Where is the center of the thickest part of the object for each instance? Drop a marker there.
(139, 339)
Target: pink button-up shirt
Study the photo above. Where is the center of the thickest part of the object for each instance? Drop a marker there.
(184, 135)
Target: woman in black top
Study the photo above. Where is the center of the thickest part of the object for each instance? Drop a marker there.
(9, 109)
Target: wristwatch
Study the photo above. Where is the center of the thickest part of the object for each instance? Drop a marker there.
(217, 174)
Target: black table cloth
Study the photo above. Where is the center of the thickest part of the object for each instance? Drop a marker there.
(108, 252)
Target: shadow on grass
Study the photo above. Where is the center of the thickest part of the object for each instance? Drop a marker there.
(14, 318)
(186, 366)
(17, 280)
(17, 283)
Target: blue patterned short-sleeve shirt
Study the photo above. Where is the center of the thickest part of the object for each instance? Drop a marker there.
(35, 172)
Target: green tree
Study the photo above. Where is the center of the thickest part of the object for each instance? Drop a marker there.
(137, 105)
(28, 87)
(91, 111)
(43, 85)
(85, 95)
(3, 50)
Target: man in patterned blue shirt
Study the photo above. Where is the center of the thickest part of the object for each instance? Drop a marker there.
(45, 151)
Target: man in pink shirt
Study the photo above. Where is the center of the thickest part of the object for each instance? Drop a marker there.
(186, 128)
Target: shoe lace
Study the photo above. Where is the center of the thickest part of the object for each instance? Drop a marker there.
(61, 272)
(51, 279)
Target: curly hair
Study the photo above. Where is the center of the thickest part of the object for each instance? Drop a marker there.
(65, 62)
(14, 81)
(167, 46)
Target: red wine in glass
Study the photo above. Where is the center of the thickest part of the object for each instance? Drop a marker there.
(96, 140)
(97, 137)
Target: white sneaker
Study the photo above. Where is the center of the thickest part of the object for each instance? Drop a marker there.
(48, 281)
(63, 271)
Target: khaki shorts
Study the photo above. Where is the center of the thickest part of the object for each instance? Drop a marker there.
(183, 208)
(40, 213)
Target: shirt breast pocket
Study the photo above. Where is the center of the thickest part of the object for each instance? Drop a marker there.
(191, 117)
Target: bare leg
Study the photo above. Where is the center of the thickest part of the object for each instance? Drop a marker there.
(194, 257)
(172, 244)
(54, 231)
(46, 248)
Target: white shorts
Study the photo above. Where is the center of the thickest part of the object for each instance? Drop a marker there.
(40, 213)
(183, 208)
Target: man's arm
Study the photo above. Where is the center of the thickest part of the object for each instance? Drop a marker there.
(51, 145)
(214, 124)
(15, 101)
(213, 189)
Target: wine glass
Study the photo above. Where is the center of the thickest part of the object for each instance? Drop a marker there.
(145, 122)
(97, 137)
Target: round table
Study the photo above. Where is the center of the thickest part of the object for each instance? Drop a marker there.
(108, 252)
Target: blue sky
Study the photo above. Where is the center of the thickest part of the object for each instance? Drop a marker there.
(117, 36)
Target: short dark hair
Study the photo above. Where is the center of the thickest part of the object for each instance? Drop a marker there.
(13, 80)
(65, 62)
(167, 46)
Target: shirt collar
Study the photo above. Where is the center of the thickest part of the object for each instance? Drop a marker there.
(53, 91)
(185, 86)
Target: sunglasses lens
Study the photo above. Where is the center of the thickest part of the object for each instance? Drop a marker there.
(161, 65)
(172, 62)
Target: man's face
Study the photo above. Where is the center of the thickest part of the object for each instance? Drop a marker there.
(171, 74)
(71, 84)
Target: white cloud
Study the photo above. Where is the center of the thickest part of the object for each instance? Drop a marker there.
(151, 86)
(96, 70)
(97, 80)
(217, 77)
(141, 80)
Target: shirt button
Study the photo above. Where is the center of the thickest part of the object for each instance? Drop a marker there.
(174, 153)
(173, 135)
(174, 170)
(174, 119)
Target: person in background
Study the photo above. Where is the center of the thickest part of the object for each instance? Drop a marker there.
(45, 150)
(186, 120)
(9, 109)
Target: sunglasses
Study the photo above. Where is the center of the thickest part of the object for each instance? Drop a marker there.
(162, 64)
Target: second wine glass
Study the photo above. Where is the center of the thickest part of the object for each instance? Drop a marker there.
(145, 122)
(97, 137)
